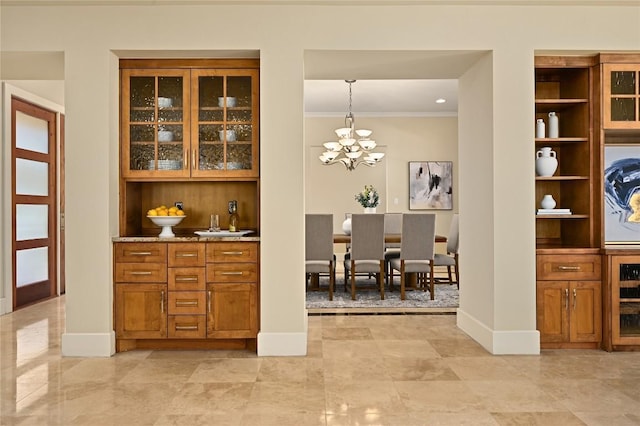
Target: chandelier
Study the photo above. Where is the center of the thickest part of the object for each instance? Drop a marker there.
(346, 151)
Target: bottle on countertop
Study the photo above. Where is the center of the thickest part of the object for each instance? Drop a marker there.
(233, 216)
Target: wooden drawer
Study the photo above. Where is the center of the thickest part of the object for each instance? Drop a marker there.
(232, 272)
(568, 267)
(187, 303)
(232, 252)
(140, 252)
(141, 272)
(186, 279)
(186, 254)
(187, 327)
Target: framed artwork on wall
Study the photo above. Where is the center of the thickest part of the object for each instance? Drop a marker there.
(430, 185)
(621, 182)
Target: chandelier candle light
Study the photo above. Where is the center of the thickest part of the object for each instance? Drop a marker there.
(345, 150)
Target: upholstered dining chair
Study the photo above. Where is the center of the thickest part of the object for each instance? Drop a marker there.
(367, 250)
(319, 257)
(392, 225)
(450, 260)
(417, 250)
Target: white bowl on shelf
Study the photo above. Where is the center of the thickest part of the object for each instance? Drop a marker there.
(231, 102)
(165, 136)
(166, 222)
(231, 135)
(165, 102)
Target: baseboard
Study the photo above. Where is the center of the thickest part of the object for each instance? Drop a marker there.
(89, 344)
(512, 342)
(282, 344)
(4, 306)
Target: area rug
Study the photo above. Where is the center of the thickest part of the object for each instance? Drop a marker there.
(367, 297)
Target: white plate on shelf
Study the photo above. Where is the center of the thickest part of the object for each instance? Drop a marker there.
(223, 233)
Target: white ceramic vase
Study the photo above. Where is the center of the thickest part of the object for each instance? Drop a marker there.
(554, 131)
(546, 162)
(369, 209)
(540, 128)
(548, 202)
(346, 226)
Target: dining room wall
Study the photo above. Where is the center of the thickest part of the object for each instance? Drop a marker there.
(331, 189)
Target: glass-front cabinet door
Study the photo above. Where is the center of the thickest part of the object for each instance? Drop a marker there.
(155, 123)
(621, 96)
(224, 123)
(625, 309)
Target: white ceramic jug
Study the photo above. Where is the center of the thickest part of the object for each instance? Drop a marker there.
(546, 162)
(548, 202)
(540, 128)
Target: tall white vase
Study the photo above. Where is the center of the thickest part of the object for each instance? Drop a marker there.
(554, 131)
(546, 162)
(346, 226)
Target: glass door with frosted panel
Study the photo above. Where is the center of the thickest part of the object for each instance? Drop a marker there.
(156, 110)
(226, 122)
(33, 203)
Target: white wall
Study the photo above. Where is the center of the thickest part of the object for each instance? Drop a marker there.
(504, 180)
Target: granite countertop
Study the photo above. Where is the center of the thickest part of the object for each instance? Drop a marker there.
(182, 239)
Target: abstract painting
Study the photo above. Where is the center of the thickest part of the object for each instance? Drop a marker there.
(621, 194)
(430, 185)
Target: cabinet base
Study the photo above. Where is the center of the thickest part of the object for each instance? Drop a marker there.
(566, 345)
(123, 345)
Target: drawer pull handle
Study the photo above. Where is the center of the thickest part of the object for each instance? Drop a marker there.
(162, 301)
(186, 327)
(231, 273)
(186, 303)
(140, 253)
(232, 253)
(566, 299)
(569, 268)
(140, 272)
(183, 279)
(209, 301)
(186, 254)
(575, 299)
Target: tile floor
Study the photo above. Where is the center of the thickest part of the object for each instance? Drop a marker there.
(360, 370)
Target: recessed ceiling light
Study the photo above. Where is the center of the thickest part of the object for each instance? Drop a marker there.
(441, 100)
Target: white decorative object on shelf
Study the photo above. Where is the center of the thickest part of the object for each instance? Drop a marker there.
(369, 209)
(540, 128)
(554, 131)
(548, 202)
(546, 162)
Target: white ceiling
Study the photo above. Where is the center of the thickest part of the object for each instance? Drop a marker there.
(398, 82)
(381, 97)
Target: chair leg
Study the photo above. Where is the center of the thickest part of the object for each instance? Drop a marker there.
(432, 280)
(381, 279)
(457, 268)
(402, 280)
(332, 279)
(353, 279)
(449, 274)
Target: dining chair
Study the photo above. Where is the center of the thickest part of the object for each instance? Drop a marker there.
(392, 225)
(319, 256)
(367, 250)
(450, 260)
(417, 250)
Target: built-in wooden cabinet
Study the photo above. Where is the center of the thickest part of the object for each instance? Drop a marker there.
(568, 300)
(194, 294)
(189, 119)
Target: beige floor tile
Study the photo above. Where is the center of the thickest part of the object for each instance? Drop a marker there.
(346, 333)
(608, 419)
(344, 349)
(219, 399)
(590, 395)
(355, 369)
(418, 369)
(407, 349)
(226, 370)
(363, 397)
(294, 369)
(514, 395)
(458, 348)
(483, 368)
(559, 418)
(438, 396)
